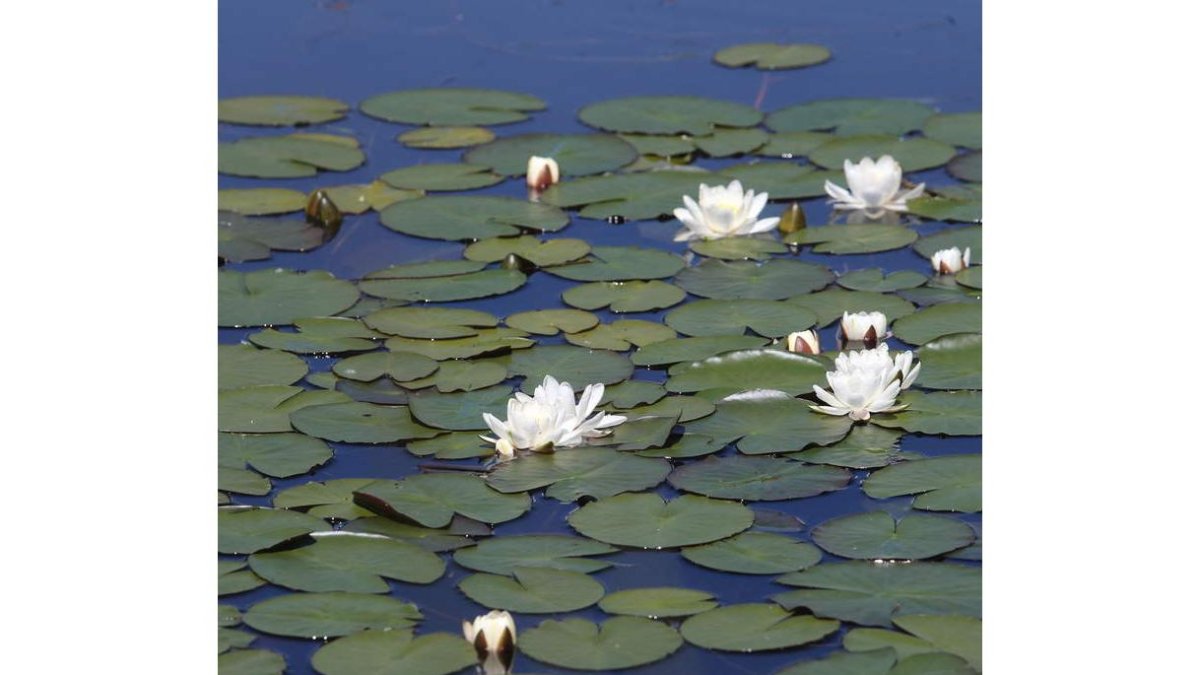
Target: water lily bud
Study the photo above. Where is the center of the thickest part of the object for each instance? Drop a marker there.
(512, 261)
(951, 260)
(495, 637)
(792, 219)
(541, 173)
(322, 212)
(504, 448)
(804, 342)
(865, 327)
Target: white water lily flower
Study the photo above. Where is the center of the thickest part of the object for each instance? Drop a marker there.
(723, 211)
(550, 419)
(541, 172)
(494, 636)
(804, 342)
(951, 260)
(866, 382)
(874, 187)
(864, 326)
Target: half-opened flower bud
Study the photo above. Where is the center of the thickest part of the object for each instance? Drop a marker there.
(494, 635)
(804, 342)
(541, 173)
(865, 327)
(322, 212)
(951, 260)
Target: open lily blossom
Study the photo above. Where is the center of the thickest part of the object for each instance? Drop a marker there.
(723, 211)
(866, 382)
(494, 636)
(804, 342)
(864, 326)
(550, 419)
(874, 187)
(541, 172)
(951, 260)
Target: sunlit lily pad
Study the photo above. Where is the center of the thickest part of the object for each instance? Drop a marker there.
(789, 144)
(451, 106)
(771, 280)
(968, 167)
(952, 362)
(962, 129)
(757, 478)
(361, 197)
(753, 628)
(458, 218)
(771, 56)
(309, 615)
(851, 239)
(540, 253)
(279, 296)
(575, 365)
(433, 499)
(240, 238)
(954, 413)
(534, 590)
(570, 474)
(454, 536)
(731, 317)
(279, 455)
(280, 111)
(441, 177)
(621, 263)
(576, 154)
(293, 156)
(621, 335)
(829, 305)
(435, 138)
(934, 322)
(647, 521)
(866, 447)
(250, 662)
(668, 114)
(782, 180)
(357, 563)
(459, 411)
(758, 368)
(852, 116)
(625, 296)
(246, 530)
(755, 553)
(503, 555)
(737, 248)
(874, 280)
(728, 142)
(945, 483)
(394, 651)
(877, 662)
(246, 366)
(267, 409)
(658, 603)
(620, 642)
(913, 154)
(261, 201)
(631, 196)
(429, 322)
(680, 350)
(962, 237)
(443, 289)
(875, 534)
(486, 342)
(328, 499)
(552, 321)
(869, 593)
(770, 424)
(958, 635)
(233, 577)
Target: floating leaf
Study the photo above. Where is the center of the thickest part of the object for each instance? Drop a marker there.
(279, 296)
(962, 237)
(755, 553)
(914, 154)
(962, 129)
(246, 530)
(782, 180)
(357, 422)
(773, 280)
(246, 366)
(737, 248)
(552, 321)
(570, 474)
(261, 201)
(952, 362)
(228, 638)
(874, 280)
(266, 409)
(971, 277)
(851, 239)
(680, 350)
(934, 322)
(687, 408)
(458, 218)
(620, 642)
(829, 305)
(662, 146)
(294, 156)
(241, 481)
(328, 499)
(306, 615)
(954, 413)
(576, 154)
(575, 365)
(932, 295)
(789, 144)
(344, 561)
(942, 208)
(630, 196)
(250, 662)
(968, 167)
(731, 317)
(946, 483)
(444, 289)
(280, 455)
(770, 424)
(454, 445)
(757, 368)
(874, 534)
(433, 499)
(240, 238)
(757, 478)
(936, 663)
(668, 114)
(631, 393)
(446, 137)
(622, 335)
(728, 142)
(753, 628)
(625, 296)
(459, 411)
(540, 253)
(233, 577)
(429, 322)
(320, 335)
(455, 536)
(486, 342)
(877, 662)
(441, 177)
(621, 263)
(958, 635)
(770, 56)
(534, 590)
(280, 111)
(867, 447)
(658, 603)
(646, 521)
(394, 651)
(451, 106)
(852, 116)
(505, 554)
(376, 195)
(400, 366)
(463, 376)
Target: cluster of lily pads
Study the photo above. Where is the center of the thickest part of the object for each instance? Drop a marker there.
(683, 424)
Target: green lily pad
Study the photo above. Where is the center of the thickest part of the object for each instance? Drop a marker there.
(934, 663)
(641, 433)
(306, 615)
(625, 296)
(455, 536)
(737, 248)
(794, 374)
(971, 277)
(241, 481)
(852, 116)
(394, 651)
(753, 627)
(328, 499)
(952, 362)
(874, 280)
(852, 239)
(445, 106)
(875, 535)
(382, 391)
(772, 280)
(646, 521)
(442, 177)
(687, 408)
(246, 366)
(755, 553)
(444, 289)
(228, 638)
(866, 447)
(770, 423)
(962, 129)
(320, 335)
(268, 408)
(944, 208)
(293, 156)
(454, 445)
(731, 317)
(757, 478)
(486, 342)
(455, 376)
(658, 603)
(246, 530)
(261, 201)
(620, 642)
(432, 499)
(429, 322)
(637, 196)
(954, 413)
(729, 142)
(770, 56)
(540, 253)
(533, 590)
(280, 111)
(279, 455)
(872, 594)
(576, 154)
(913, 154)
(279, 296)
(631, 393)
(968, 167)
(877, 662)
(459, 218)
(962, 237)
(351, 562)
(459, 411)
(660, 146)
(782, 180)
(361, 197)
(250, 662)
(505, 554)
(436, 138)
(961, 636)
(621, 263)
(790, 144)
(679, 350)
(357, 422)
(830, 305)
(621, 335)
(939, 320)
(400, 366)
(552, 321)
(668, 114)
(575, 365)
(570, 474)
(233, 577)
(240, 238)
(945, 483)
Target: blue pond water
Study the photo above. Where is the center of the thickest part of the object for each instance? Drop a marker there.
(571, 54)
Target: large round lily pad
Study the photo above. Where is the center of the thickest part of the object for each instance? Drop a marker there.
(442, 177)
(952, 362)
(728, 142)
(962, 129)
(753, 627)
(755, 553)
(445, 288)
(446, 137)
(321, 615)
(620, 642)
(866, 447)
(348, 562)
(794, 374)
(279, 455)
(658, 603)
(768, 422)
(852, 116)
(913, 154)
(534, 590)
(433, 499)
(737, 248)
(954, 413)
(577, 366)
(540, 253)
(782, 180)
(946, 483)
(875, 534)
(280, 111)
(576, 154)
(829, 305)
(504, 554)
(267, 408)
(451, 106)
(246, 530)
(772, 280)
(625, 296)
(293, 156)
(668, 114)
(260, 201)
(552, 321)
(243, 365)
(621, 335)
(240, 238)
(768, 318)
(327, 499)
(570, 474)
(758, 478)
(357, 422)
(394, 651)
(853, 239)
(637, 196)
(771, 56)
(933, 322)
(646, 521)
(679, 350)
(457, 218)
(250, 662)
(873, 279)
(430, 322)
(876, 662)
(279, 296)
(400, 366)
(621, 263)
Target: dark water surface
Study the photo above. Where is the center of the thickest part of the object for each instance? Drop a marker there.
(571, 54)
